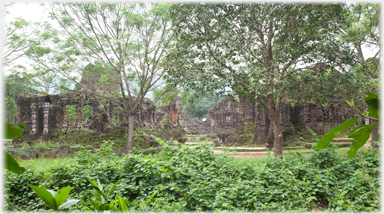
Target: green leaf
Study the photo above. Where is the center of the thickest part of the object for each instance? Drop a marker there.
(151, 197)
(111, 205)
(112, 188)
(62, 195)
(359, 142)
(69, 203)
(14, 131)
(98, 189)
(372, 102)
(52, 192)
(12, 165)
(95, 205)
(359, 130)
(45, 195)
(327, 138)
(122, 205)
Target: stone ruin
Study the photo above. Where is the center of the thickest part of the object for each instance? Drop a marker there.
(45, 117)
(246, 120)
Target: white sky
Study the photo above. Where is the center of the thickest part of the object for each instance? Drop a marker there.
(36, 12)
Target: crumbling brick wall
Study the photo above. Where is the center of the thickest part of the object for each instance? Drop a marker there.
(239, 117)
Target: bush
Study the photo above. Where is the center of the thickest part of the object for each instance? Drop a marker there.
(193, 179)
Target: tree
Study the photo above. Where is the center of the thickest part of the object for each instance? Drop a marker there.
(16, 40)
(129, 40)
(253, 48)
(361, 28)
(198, 105)
(360, 133)
(15, 85)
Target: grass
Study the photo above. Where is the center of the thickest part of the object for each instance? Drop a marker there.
(40, 164)
(46, 164)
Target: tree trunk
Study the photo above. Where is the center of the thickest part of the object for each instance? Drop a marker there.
(278, 137)
(374, 135)
(271, 137)
(131, 124)
(267, 124)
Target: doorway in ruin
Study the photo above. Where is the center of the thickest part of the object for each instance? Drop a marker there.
(40, 121)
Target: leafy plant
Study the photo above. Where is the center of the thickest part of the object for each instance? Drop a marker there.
(86, 156)
(71, 113)
(315, 136)
(56, 200)
(86, 111)
(360, 133)
(13, 131)
(100, 200)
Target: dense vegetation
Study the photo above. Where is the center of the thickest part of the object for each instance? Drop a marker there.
(193, 179)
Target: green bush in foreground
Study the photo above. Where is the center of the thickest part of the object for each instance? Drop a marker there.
(193, 179)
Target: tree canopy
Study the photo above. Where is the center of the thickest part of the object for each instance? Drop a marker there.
(253, 48)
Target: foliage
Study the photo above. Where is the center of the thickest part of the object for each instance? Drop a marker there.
(194, 179)
(127, 57)
(71, 114)
(100, 200)
(197, 105)
(56, 200)
(165, 96)
(252, 49)
(17, 34)
(13, 131)
(324, 85)
(314, 134)
(88, 156)
(86, 111)
(360, 133)
(16, 85)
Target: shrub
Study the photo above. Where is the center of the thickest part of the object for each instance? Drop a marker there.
(194, 179)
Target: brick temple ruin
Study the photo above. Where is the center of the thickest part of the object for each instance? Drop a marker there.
(244, 120)
(245, 116)
(45, 114)
(241, 121)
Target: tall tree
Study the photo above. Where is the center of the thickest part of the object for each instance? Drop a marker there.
(252, 48)
(198, 105)
(130, 40)
(16, 85)
(18, 33)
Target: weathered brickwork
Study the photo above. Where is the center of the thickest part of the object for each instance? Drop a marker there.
(247, 116)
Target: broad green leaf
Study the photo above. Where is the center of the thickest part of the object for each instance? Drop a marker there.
(327, 138)
(62, 195)
(45, 195)
(52, 192)
(104, 206)
(14, 131)
(111, 205)
(98, 189)
(356, 132)
(359, 142)
(12, 165)
(69, 203)
(122, 205)
(372, 102)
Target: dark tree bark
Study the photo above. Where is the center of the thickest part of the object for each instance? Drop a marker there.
(374, 135)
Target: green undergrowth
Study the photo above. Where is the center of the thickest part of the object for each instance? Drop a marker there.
(193, 179)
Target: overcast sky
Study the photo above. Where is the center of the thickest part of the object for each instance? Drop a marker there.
(38, 12)
(35, 12)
